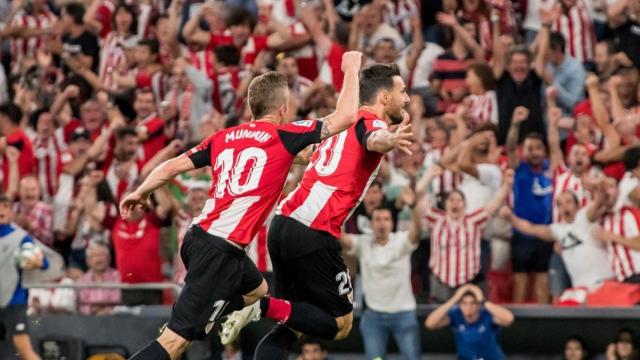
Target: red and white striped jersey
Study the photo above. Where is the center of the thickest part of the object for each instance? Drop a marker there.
(565, 180)
(483, 109)
(624, 222)
(158, 82)
(576, 26)
(399, 15)
(203, 60)
(111, 59)
(249, 163)
(449, 180)
(258, 252)
(48, 153)
(25, 48)
(455, 246)
(156, 138)
(336, 179)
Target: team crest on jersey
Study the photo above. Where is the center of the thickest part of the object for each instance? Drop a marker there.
(305, 123)
(379, 124)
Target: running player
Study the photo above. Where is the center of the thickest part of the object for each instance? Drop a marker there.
(249, 165)
(303, 237)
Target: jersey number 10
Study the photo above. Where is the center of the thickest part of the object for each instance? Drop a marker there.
(232, 168)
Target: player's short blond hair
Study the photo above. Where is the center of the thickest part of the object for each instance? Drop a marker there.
(267, 93)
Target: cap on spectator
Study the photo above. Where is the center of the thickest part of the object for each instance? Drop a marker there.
(130, 42)
(80, 133)
(583, 108)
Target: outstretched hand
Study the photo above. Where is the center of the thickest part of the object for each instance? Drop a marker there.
(403, 137)
(131, 203)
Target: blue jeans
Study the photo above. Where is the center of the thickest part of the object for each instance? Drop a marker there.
(376, 327)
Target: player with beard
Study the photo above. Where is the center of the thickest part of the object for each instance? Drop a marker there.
(303, 236)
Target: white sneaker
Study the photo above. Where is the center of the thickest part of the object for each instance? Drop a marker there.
(237, 320)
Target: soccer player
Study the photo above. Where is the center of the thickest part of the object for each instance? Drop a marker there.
(249, 165)
(303, 236)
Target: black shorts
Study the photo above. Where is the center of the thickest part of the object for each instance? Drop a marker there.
(13, 321)
(216, 272)
(308, 267)
(530, 255)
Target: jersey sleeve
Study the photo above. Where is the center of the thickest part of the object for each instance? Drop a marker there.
(300, 134)
(365, 127)
(201, 154)
(154, 127)
(631, 219)
(143, 80)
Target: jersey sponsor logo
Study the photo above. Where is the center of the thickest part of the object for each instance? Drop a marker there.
(259, 136)
(305, 123)
(379, 124)
(539, 190)
(570, 241)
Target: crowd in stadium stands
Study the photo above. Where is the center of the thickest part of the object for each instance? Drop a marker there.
(524, 178)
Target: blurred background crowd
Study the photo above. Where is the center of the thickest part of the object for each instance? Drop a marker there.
(96, 93)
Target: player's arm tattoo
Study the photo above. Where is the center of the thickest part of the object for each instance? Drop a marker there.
(325, 132)
(380, 141)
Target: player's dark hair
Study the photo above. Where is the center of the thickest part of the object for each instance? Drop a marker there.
(375, 78)
(124, 132)
(241, 16)
(76, 12)
(267, 93)
(151, 44)
(132, 11)
(557, 42)
(228, 55)
(12, 111)
(631, 158)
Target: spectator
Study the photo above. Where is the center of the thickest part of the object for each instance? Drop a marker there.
(603, 58)
(623, 18)
(475, 323)
(482, 101)
(576, 26)
(79, 47)
(455, 228)
(140, 239)
(367, 28)
(149, 126)
(585, 257)
(298, 85)
(121, 168)
(532, 199)
(313, 349)
(623, 348)
(48, 145)
(575, 349)
(13, 135)
(620, 227)
(385, 264)
(194, 202)
(112, 57)
(565, 73)
(32, 214)
(98, 301)
(521, 85)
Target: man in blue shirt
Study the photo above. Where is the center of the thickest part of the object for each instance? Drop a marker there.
(532, 200)
(13, 297)
(566, 74)
(474, 325)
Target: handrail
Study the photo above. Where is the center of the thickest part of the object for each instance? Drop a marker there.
(142, 286)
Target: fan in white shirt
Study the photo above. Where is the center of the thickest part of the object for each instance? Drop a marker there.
(585, 257)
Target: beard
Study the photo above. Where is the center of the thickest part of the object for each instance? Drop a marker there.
(396, 118)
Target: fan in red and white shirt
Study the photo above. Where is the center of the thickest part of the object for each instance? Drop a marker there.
(48, 146)
(438, 138)
(240, 24)
(398, 14)
(114, 44)
(621, 231)
(34, 23)
(121, 168)
(149, 126)
(98, 17)
(482, 104)
(226, 79)
(576, 26)
(287, 66)
(570, 176)
(456, 234)
(148, 71)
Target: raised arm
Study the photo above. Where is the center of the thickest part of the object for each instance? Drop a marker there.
(501, 195)
(417, 45)
(92, 24)
(520, 114)
(616, 13)
(600, 112)
(192, 31)
(546, 18)
(423, 183)
(499, 53)
(469, 42)
(617, 106)
(415, 232)
(314, 27)
(346, 241)
(349, 99)
(465, 157)
(540, 231)
(439, 317)
(554, 115)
